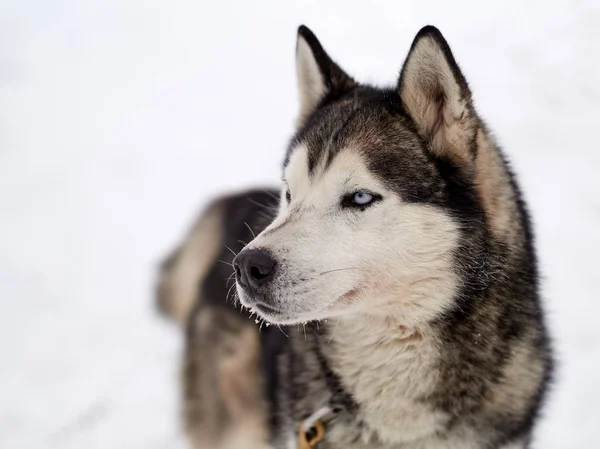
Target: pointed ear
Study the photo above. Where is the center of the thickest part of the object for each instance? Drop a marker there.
(318, 76)
(437, 97)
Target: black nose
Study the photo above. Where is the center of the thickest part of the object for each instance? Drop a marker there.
(254, 268)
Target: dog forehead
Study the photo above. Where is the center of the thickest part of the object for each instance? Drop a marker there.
(352, 120)
(348, 170)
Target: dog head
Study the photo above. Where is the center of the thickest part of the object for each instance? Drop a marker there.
(379, 187)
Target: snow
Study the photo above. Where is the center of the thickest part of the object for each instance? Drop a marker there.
(118, 119)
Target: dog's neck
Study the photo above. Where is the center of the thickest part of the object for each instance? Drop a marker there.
(387, 367)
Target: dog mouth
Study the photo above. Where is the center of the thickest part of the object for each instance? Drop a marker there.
(271, 314)
(258, 304)
(265, 309)
(278, 314)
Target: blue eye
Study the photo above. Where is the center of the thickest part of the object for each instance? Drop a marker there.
(362, 198)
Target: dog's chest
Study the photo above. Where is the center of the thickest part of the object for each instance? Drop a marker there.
(390, 378)
(387, 379)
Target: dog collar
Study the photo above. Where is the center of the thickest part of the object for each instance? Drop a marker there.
(312, 429)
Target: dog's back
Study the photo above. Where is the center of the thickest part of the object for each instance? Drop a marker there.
(224, 403)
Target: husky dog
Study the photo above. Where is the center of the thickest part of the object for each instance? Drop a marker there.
(399, 269)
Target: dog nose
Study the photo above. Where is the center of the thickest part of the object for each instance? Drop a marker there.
(253, 268)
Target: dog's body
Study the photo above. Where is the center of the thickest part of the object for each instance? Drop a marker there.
(400, 267)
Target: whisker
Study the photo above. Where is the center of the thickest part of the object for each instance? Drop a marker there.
(338, 269)
(227, 298)
(232, 251)
(229, 279)
(261, 204)
(225, 262)
(271, 194)
(250, 229)
(282, 331)
(267, 218)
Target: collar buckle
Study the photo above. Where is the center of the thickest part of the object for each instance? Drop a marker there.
(312, 429)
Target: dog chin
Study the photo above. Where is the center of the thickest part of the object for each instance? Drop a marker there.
(277, 314)
(263, 310)
(270, 314)
(284, 317)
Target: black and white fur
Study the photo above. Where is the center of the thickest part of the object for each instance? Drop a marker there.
(414, 316)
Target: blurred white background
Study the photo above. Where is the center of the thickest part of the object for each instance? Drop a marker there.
(118, 119)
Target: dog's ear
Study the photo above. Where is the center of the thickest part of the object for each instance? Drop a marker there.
(318, 75)
(437, 97)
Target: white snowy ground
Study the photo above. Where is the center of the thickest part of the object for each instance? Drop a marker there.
(118, 119)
